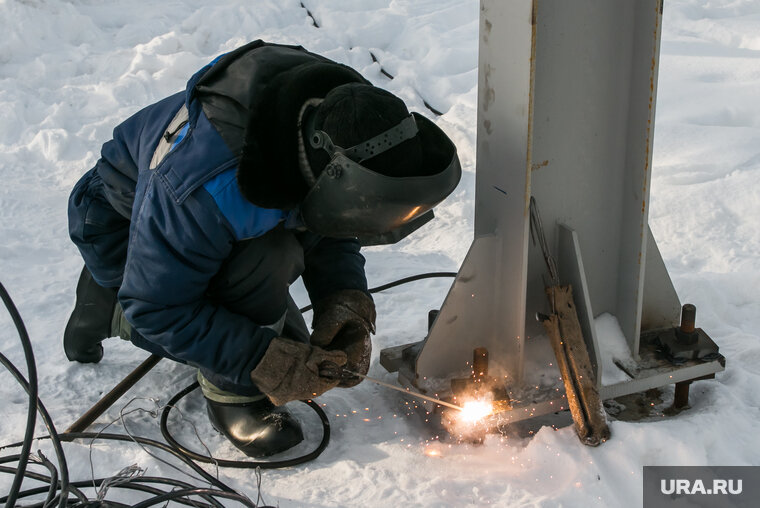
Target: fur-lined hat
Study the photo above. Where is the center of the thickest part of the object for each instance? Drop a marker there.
(268, 173)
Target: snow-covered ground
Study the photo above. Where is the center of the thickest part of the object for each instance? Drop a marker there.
(71, 70)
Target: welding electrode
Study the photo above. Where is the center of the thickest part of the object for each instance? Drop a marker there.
(331, 370)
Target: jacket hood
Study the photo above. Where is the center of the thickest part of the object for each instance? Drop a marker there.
(252, 97)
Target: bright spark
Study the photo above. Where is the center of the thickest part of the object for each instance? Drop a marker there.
(432, 452)
(475, 410)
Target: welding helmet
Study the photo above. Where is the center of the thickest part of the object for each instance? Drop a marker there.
(382, 186)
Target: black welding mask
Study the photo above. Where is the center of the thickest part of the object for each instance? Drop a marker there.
(378, 205)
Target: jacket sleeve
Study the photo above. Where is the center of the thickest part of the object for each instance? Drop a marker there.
(174, 251)
(331, 264)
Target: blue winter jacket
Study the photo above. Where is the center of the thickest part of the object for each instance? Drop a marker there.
(162, 233)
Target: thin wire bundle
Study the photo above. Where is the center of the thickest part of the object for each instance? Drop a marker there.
(63, 493)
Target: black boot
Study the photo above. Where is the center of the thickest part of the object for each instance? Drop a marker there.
(256, 428)
(90, 322)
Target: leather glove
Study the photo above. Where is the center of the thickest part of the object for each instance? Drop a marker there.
(289, 370)
(343, 321)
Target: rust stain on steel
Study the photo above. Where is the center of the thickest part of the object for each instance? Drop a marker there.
(539, 165)
(652, 70)
(489, 94)
(648, 141)
(531, 89)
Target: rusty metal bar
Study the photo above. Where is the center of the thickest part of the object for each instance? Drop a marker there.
(111, 397)
(681, 396)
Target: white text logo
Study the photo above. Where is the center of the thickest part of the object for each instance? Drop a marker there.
(698, 487)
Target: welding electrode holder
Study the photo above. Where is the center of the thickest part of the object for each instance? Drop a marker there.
(331, 370)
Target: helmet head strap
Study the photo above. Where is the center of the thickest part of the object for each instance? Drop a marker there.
(404, 130)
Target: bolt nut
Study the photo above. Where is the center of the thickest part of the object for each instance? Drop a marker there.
(688, 318)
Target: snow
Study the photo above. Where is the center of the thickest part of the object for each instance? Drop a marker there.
(71, 71)
(613, 348)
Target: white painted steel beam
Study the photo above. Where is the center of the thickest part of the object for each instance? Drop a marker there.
(492, 281)
(566, 105)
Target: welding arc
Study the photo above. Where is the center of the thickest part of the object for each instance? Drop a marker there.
(405, 390)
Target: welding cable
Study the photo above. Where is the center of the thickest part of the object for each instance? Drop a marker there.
(71, 436)
(136, 483)
(35, 404)
(399, 282)
(53, 484)
(54, 436)
(242, 464)
(412, 278)
(31, 416)
(170, 496)
(224, 490)
(49, 481)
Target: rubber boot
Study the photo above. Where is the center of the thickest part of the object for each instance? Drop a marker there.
(258, 428)
(90, 322)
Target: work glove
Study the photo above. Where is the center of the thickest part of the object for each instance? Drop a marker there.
(343, 321)
(289, 370)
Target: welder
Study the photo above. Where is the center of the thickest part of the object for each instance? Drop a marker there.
(206, 206)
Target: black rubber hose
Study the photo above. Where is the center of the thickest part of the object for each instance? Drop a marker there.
(54, 436)
(135, 483)
(31, 417)
(32, 476)
(170, 496)
(412, 278)
(242, 464)
(399, 282)
(53, 488)
(36, 404)
(72, 436)
(39, 477)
